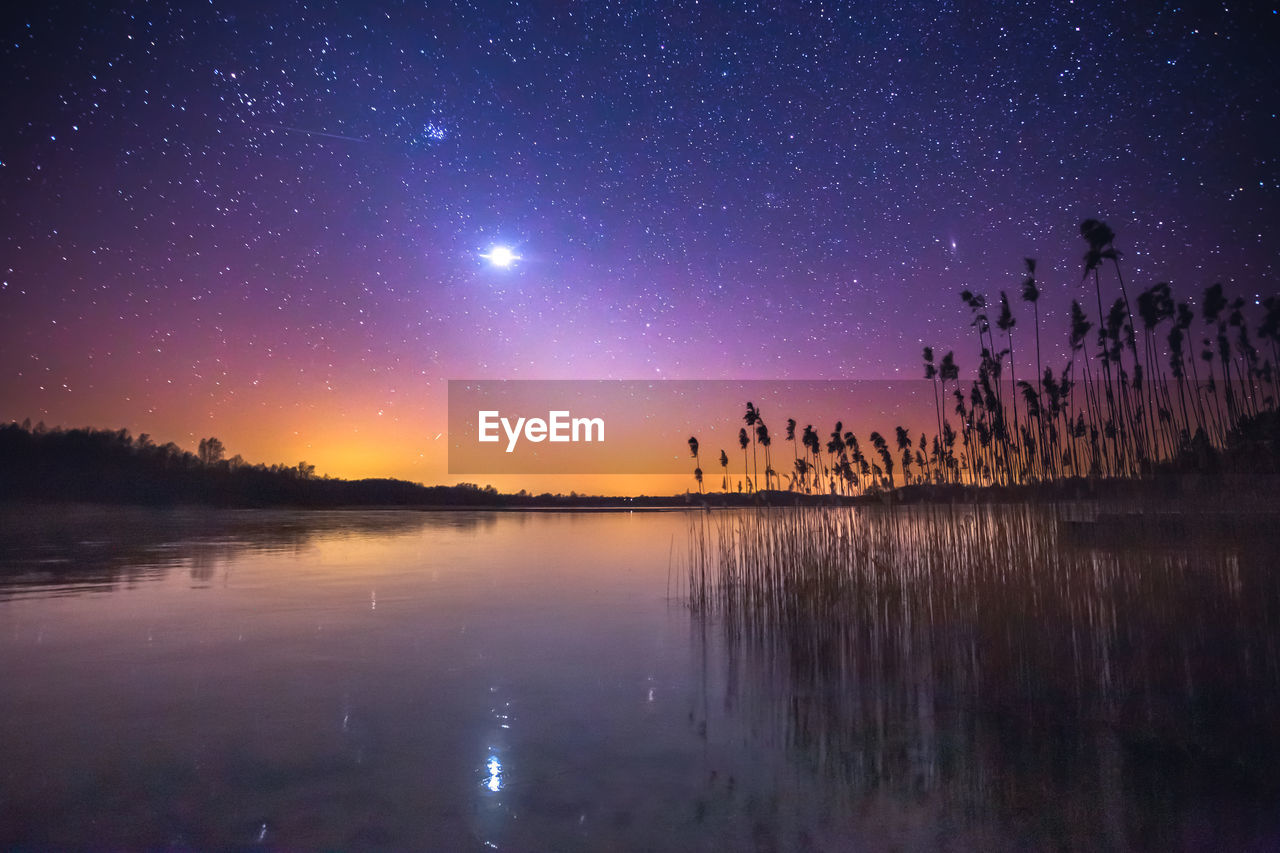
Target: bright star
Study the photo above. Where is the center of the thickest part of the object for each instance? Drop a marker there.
(501, 256)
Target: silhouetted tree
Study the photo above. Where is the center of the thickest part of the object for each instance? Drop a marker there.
(211, 451)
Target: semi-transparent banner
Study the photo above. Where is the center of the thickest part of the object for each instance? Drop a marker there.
(644, 427)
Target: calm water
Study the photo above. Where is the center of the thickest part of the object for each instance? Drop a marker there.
(456, 681)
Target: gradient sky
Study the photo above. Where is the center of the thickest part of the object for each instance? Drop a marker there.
(265, 221)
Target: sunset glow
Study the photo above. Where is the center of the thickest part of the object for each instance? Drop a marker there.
(265, 227)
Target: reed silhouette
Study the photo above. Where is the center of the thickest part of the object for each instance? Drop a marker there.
(697, 469)
(1109, 413)
(894, 645)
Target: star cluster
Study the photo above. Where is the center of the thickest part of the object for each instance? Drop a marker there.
(270, 221)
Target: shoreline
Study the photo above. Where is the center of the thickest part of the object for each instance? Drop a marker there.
(1238, 495)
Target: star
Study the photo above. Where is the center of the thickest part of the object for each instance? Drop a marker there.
(501, 256)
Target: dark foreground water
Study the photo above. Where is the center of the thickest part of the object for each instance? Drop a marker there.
(534, 681)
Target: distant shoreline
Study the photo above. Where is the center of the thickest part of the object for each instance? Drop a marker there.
(103, 467)
(1219, 493)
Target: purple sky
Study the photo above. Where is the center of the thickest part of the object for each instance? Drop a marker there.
(264, 221)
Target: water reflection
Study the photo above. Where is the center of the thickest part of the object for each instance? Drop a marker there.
(329, 676)
(988, 665)
(85, 549)
(524, 682)
(494, 768)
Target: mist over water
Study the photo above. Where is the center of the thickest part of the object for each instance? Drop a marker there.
(472, 680)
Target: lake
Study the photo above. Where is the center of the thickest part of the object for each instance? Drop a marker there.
(251, 680)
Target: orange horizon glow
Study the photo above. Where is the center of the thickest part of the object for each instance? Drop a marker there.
(409, 441)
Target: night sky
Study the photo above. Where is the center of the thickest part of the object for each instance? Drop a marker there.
(268, 221)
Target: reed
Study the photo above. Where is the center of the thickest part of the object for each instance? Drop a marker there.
(1108, 413)
(871, 619)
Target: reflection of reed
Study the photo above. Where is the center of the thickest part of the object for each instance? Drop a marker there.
(887, 642)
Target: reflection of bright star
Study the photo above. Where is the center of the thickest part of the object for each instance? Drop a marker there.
(501, 256)
(494, 766)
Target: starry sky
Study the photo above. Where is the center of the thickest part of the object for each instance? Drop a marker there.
(269, 221)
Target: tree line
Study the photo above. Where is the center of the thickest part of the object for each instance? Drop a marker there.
(42, 464)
